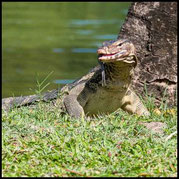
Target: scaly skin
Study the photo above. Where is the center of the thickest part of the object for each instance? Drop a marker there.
(104, 89)
(96, 94)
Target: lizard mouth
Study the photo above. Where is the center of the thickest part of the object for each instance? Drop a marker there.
(102, 57)
(112, 57)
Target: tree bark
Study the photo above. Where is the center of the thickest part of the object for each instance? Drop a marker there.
(152, 27)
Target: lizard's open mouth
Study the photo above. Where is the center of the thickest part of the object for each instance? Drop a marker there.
(106, 56)
(111, 57)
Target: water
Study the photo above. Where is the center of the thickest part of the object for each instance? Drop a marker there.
(63, 37)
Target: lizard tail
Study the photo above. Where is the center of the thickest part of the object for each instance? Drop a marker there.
(9, 103)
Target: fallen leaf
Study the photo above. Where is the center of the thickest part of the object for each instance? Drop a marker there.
(109, 154)
(172, 167)
(157, 111)
(144, 174)
(170, 112)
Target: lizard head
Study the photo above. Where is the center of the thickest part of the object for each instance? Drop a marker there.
(121, 50)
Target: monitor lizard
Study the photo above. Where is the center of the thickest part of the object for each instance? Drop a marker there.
(103, 90)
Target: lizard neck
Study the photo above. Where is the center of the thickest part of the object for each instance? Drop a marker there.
(118, 75)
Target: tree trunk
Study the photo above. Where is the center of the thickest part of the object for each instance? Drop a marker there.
(152, 27)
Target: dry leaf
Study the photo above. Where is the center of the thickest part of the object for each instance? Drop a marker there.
(157, 111)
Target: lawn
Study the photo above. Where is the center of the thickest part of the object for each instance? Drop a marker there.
(39, 142)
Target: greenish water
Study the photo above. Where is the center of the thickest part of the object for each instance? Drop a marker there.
(38, 38)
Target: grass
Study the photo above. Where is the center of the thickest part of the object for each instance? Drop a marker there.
(40, 142)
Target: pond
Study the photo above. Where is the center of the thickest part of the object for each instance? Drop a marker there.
(55, 39)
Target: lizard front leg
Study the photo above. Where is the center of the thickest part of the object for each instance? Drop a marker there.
(73, 107)
(132, 104)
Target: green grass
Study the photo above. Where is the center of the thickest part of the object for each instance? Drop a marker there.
(40, 142)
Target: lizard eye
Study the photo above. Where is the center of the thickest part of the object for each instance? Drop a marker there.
(119, 44)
